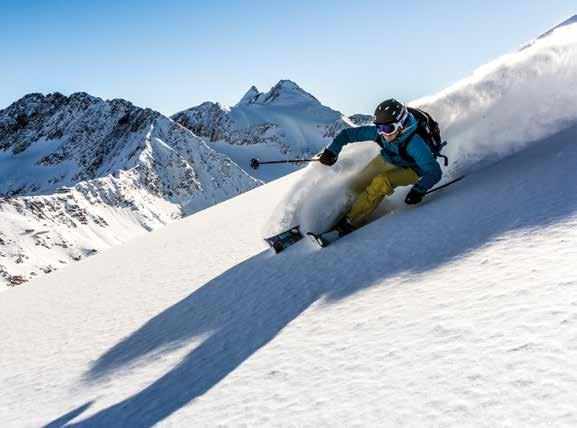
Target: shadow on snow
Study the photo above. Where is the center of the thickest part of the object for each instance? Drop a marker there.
(244, 308)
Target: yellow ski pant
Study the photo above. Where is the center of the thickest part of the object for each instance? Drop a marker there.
(377, 180)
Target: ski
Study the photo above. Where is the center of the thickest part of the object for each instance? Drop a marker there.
(291, 236)
(284, 239)
(324, 239)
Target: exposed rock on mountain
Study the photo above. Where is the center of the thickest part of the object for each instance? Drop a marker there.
(287, 120)
(361, 119)
(78, 174)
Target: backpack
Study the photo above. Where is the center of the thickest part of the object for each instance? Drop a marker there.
(428, 130)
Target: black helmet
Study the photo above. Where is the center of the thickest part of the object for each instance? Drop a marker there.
(390, 111)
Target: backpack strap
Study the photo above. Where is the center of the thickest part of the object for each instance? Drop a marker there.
(406, 156)
(403, 148)
(405, 143)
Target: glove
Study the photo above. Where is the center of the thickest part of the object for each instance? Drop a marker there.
(414, 197)
(328, 158)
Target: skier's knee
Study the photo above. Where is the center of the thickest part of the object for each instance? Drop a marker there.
(381, 186)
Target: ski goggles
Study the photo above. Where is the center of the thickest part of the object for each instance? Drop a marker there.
(389, 128)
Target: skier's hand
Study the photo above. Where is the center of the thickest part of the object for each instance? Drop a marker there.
(414, 197)
(328, 158)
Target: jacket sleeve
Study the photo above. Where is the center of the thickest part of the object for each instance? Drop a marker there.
(431, 171)
(352, 135)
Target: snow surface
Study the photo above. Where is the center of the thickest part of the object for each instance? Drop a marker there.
(570, 21)
(461, 311)
(410, 321)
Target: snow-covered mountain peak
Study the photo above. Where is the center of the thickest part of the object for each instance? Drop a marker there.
(207, 120)
(79, 174)
(361, 119)
(207, 105)
(31, 105)
(83, 97)
(35, 98)
(250, 95)
(284, 122)
(285, 92)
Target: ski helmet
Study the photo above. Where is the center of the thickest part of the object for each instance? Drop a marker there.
(390, 111)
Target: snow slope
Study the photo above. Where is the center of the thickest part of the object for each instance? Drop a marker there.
(569, 21)
(411, 321)
(459, 312)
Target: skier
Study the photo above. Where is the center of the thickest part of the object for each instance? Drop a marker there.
(405, 159)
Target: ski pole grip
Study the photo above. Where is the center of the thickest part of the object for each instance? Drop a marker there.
(254, 163)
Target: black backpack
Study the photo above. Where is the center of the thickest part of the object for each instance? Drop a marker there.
(428, 130)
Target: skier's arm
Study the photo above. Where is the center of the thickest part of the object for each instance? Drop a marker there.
(352, 135)
(420, 152)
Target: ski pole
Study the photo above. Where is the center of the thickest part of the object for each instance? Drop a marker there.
(255, 163)
(445, 185)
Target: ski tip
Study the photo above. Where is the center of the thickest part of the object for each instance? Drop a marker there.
(284, 239)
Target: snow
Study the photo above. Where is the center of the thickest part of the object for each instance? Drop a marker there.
(509, 103)
(19, 171)
(572, 20)
(80, 174)
(410, 321)
(285, 122)
(249, 96)
(461, 311)
(321, 196)
(504, 107)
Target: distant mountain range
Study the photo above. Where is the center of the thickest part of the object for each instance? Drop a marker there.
(79, 174)
(285, 122)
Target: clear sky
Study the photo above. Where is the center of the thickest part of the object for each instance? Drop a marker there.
(176, 54)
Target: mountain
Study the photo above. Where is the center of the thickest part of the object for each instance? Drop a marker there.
(361, 119)
(79, 174)
(285, 122)
(461, 311)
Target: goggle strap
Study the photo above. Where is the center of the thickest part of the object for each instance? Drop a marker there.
(404, 115)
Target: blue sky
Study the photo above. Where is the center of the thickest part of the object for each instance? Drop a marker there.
(173, 55)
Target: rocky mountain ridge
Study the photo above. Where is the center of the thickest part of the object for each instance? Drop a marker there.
(289, 121)
(79, 174)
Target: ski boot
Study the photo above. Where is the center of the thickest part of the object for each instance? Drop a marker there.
(344, 227)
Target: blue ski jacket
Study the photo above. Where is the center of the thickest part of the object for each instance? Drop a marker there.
(425, 165)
